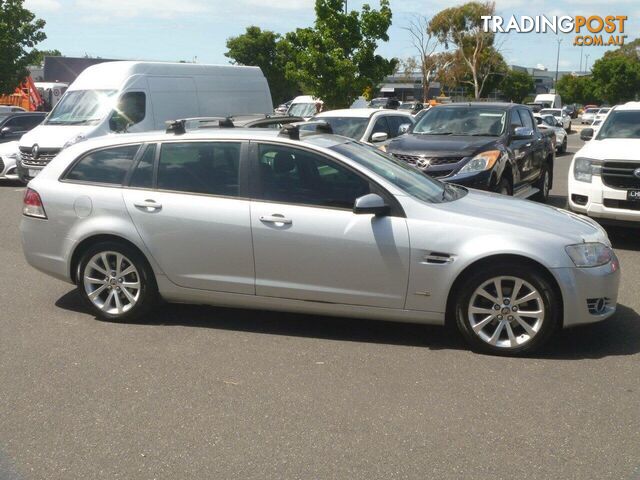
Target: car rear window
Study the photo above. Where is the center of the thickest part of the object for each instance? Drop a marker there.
(108, 166)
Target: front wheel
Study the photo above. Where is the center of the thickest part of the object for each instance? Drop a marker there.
(503, 187)
(507, 309)
(543, 185)
(563, 148)
(116, 282)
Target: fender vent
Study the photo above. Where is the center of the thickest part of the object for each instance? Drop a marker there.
(438, 258)
(598, 306)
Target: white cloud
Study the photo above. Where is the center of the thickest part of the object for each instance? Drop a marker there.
(147, 8)
(43, 5)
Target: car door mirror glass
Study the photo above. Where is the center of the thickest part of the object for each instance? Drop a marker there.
(379, 137)
(522, 133)
(5, 130)
(371, 204)
(586, 134)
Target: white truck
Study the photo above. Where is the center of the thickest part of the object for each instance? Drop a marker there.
(604, 177)
(549, 100)
(114, 97)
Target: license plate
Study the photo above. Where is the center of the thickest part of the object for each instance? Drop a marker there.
(633, 195)
(33, 173)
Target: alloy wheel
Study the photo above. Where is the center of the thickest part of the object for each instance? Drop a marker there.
(506, 312)
(112, 282)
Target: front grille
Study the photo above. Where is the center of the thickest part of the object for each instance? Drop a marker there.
(414, 159)
(44, 156)
(598, 306)
(623, 204)
(620, 174)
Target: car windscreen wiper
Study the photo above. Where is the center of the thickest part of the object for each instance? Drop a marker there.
(438, 133)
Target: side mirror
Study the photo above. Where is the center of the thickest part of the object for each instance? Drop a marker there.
(520, 133)
(4, 131)
(404, 128)
(586, 134)
(558, 123)
(379, 137)
(117, 123)
(371, 204)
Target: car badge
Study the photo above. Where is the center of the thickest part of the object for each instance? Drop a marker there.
(423, 162)
(35, 151)
(636, 173)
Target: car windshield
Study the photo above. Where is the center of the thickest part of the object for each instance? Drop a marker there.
(352, 127)
(621, 124)
(406, 178)
(82, 107)
(604, 110)
(407, 106)
(551, 111)
(302, 110)
(472, 120)
(378, 102)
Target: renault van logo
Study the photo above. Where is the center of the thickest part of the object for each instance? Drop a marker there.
(35, 151)
(636, 173)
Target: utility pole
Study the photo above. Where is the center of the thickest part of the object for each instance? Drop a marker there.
(346, 6)
(559, 40)
(586, 68)
(581, 48)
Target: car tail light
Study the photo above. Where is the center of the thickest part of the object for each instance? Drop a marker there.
(32, 204)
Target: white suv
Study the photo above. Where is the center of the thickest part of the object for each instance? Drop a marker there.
(604, 178)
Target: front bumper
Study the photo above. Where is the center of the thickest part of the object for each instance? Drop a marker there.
(25, 174)
(480, 180)
(590, 294)
(601, 201)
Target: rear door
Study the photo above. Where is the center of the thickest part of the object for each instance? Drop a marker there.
(522, 150)
(537, 155)
(189, 206)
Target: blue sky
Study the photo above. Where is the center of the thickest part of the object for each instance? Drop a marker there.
(197, 29)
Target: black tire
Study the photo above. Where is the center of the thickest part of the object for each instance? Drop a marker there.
(543, 184)
(550, 298)
(503, 187)
(569, 129)
(563, 148)
(148, 291)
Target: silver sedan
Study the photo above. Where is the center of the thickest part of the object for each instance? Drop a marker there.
(316, 224)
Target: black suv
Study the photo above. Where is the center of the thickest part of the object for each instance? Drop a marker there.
(15, 124)
(489, 146)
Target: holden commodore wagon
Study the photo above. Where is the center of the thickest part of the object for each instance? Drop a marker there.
(317, 224)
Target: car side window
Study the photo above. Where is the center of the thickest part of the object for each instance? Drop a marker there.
(143, 174)
(108, 166)
(394, 125)
(297, 176)
(200, 167)
(381, 126)
(525, 116)
(515, 120)
(131, 110)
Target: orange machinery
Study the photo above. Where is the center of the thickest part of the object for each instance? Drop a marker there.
(25, 96)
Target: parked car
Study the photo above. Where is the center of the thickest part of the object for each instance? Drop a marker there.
(365, 124)
(14, 125)
(8, 155)
(316, 224)
(385, 102)
(602, 113)
(243, 121)
(411, 107)
(589, 115)
(283, 108)
(550, 123)
(489, 146)
(571, 110)
(561, 116)
(117, 97)
(305, 106)
(604, 177)
(11, 109)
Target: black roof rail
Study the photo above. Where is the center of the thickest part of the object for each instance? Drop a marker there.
(179, 127)
(292, 130)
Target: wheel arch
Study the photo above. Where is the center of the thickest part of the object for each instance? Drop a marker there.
(491, 260)
(86, 243)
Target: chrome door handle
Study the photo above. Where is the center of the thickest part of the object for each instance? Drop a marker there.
(148, 206)
(276, 218)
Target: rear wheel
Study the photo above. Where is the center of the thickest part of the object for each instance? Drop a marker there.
(507, 309)
(544, 185)
(116, 282)
(563, 148)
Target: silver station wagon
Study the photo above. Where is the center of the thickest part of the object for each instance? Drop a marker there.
(309, 222)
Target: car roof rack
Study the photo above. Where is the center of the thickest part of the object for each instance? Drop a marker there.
(179, 127)
(292, 130)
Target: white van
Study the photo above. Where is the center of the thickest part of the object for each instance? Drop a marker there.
(51, 92)
(304, 106)
(549, 100)
(115, 97)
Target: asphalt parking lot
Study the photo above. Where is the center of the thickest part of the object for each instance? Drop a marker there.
(200, 392)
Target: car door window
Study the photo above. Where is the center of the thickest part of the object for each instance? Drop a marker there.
(16, 124)
(297, 176)
(131, 110)
(394, 125)
(515, 120)
(142, 176)
(526, 119)
(380, 126)
(200, 167)
(107, 166)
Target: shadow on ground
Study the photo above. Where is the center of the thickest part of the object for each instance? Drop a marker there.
(617, 336)
(11, 183)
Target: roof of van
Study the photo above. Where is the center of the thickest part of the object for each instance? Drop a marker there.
(111, 75)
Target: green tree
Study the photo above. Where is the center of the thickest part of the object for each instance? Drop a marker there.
(261, 48)
(461, 27)
(516, 85)
(617, 77)
(39, 55)
(578, 89)
(335, 59)
(20, 32)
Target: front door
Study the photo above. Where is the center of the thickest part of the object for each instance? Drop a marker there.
(309, 245)
(193, 219)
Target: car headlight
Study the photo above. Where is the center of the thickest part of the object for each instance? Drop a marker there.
(73, 141)
(482, 161)
(592, 254)
(585, 168)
